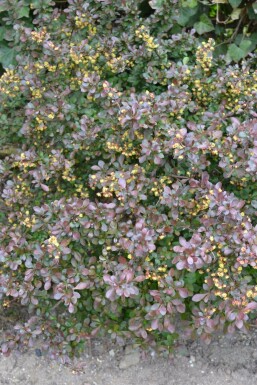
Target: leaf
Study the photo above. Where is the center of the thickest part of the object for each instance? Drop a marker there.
(154, 324)
(239, 323)
(235, 3)
(254, 204)
(7, 56)
(251, 306)
(156, 4)
(185, 15)
(254, 5)
(171, 328)
(183, 292)
(4, 348)
(237, 53)
(180, 265)
(236, 14)
(4, 6)
(44, 187)
(189, 3)
(65, 250)
(162, 310)
(204, 25)
(2, 33)
(122, 182)
(71, 308)
(198, 297)
(23, 12)
(110, 294)
(47, 285)
(81, 286)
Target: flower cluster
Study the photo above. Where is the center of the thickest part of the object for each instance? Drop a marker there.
(204, 54)
(143, 34)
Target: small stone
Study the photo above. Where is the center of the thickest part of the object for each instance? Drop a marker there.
(254, 355)
(112, 353)
(130, 359)
(38, 352)
(192, 359)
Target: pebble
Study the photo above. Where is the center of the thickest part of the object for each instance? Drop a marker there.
(38, 352)
(192, 359)
(112, 353)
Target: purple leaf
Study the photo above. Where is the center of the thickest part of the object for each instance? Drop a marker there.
(44, 187)
(162, 310)
(183, 292)
(47, 285)
(154, 324)
(180, 265)
(251, 306)
(111, 294)
(81, 286)
(122, 182)
(71, 308)
(198, 297)
(239, 323)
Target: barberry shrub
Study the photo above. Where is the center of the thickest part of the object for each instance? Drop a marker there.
(129, 205)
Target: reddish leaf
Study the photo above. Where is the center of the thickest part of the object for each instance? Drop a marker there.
(81, 286)
(251, 306)
(122, 182)
(198, 297)
(183, 292)
(44, 187)
(154, 324)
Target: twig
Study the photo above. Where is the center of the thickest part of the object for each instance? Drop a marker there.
(237, 27)
(217, 17)
(56, 305)
(179, 176)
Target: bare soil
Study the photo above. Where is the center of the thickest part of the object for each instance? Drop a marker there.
(227, 360)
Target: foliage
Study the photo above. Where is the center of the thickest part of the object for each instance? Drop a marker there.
(131, 202)
(232, 23)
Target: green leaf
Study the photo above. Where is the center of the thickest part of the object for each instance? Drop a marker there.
(7, 56)
(23, 12)
(4, 6)
(236, 13)
(185, 15)
(189, 3)
(235, 3)
(254, 5)
(156, 4)
(204, 25)
(236, 52)
(2, 33)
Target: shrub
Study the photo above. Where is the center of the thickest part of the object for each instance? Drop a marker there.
(232, 23)
(130, 202)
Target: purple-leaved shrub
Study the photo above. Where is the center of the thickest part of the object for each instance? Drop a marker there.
(130, 203)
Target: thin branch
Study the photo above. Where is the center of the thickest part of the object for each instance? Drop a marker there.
(179, 176)
(237, 27)
(217, 17)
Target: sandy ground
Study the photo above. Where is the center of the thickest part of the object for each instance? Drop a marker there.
(228, 360)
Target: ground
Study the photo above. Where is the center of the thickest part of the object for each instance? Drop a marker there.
(227, 360)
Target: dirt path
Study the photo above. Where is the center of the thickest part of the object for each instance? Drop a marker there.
(228, 360)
